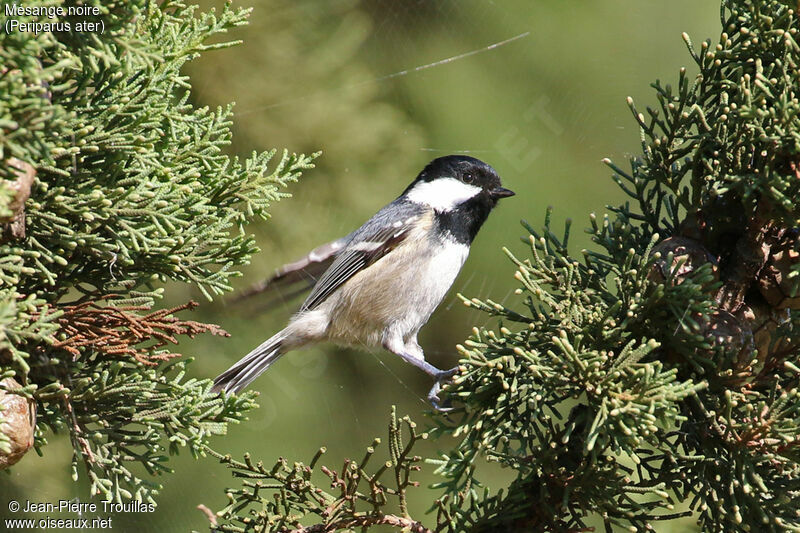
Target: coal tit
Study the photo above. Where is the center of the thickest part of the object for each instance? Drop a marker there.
(384, 280)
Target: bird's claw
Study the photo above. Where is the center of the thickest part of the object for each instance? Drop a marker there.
(433, 395)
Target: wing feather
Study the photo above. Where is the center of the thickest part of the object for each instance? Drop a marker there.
(298, 276)
(378, 237)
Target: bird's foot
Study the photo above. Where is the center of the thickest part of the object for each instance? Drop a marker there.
(441, 377)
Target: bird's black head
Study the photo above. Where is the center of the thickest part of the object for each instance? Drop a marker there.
(457, 178)
(462, 190)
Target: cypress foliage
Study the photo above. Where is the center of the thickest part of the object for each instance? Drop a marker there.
(111, 183)
(652, 377)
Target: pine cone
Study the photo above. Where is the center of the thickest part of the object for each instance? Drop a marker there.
(690, 254)
(719, 224)
(13, 227)
(731, 335)
(774, 282)
(763, 320)
(17, 423)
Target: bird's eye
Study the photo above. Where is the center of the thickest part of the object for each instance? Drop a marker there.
(468, 178)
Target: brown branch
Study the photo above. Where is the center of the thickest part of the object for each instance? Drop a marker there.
(752, 252)
(119, 330)
(77, 431)
(13, 226)
(366, 521)
(212, 519)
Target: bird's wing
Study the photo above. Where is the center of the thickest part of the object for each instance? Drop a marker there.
(376, 238)
(299, 276)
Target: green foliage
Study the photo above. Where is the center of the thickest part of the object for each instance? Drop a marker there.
(281, 497)
(577, 395)
(732, 131)
(133, 188)
(655, 377)
(123, 418)
(139, 126)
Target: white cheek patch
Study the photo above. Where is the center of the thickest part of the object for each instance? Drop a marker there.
(442, 194)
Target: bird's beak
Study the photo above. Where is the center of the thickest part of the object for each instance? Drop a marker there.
(500, 192)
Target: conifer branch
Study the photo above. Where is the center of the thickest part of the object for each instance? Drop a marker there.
(117, 330)
(282, 497)
(127, 185)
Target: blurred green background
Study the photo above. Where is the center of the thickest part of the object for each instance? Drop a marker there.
(347, 78)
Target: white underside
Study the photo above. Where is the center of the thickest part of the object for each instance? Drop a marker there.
(386, 304)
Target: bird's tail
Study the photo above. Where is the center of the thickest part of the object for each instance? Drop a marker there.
(252, 365)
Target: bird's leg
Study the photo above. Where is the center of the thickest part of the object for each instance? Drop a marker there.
(433, 395)
(412, 353)
(420, 363)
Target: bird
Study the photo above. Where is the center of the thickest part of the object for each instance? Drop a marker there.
(382, 282)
